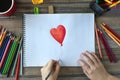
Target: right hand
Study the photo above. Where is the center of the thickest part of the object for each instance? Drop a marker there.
(50, 66)
(93, 68)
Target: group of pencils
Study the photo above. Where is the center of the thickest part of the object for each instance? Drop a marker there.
(101, 36)
(10, 53)
(107, 4)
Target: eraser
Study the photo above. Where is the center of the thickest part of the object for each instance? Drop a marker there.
(96, 8)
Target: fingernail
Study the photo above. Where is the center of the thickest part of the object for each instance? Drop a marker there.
(82, 54)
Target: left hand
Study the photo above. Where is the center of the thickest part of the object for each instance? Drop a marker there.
(50, 66)
(93, 68)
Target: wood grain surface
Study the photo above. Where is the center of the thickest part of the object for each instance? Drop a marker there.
(14, 23)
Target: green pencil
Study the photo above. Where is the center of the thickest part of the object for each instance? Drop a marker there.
(13, 70)
(10, 57)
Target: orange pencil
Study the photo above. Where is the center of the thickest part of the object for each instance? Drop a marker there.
(117, 39)
(113, 39)
(111, 35)
(3, 36)
(18, 67)
(1, 33)
(98, 42)
(113, 32)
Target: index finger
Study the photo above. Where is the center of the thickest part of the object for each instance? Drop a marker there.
(50, 64)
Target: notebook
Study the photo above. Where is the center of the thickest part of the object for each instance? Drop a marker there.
(60, 37)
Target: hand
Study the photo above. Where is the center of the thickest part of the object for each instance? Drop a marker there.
(50, 66)
(93, 68)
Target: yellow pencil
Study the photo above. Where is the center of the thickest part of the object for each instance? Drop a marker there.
(118, 2)
(108, 1)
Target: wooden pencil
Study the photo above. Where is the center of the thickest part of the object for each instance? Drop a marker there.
(109, 2)
(114, 4)
(18, 67)
(113, 39)
(108, 48)
(117, 39)
(111, 30)
(104, 44)
(3, 36)
(98, 43)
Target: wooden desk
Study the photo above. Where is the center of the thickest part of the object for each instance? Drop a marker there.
(15, 24)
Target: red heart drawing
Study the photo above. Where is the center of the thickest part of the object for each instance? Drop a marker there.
(58, 33)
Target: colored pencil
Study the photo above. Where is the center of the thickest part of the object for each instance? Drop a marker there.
(115, 37)
(111, 30)
(14, 66)
(11, 66)
(108, 1)
(108, 47)
(1, 33)
(3, 36)
(13, 61)
(3, 47)
(103, 42)
(18, 68)
(114, 4)
(98, 43)
(21, 64)
(109, 34)
(10, 57)
(97, 1)
(6, 52)
(2, 67)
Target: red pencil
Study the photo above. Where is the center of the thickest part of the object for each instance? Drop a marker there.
(108, 48)
(18, 67)
(104, 44)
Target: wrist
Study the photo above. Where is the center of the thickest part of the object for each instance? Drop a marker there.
(110, 77)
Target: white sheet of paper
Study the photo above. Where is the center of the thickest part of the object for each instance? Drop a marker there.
(40, 46)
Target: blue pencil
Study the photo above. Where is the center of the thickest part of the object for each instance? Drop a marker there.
(6, 56)
(3, 47)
